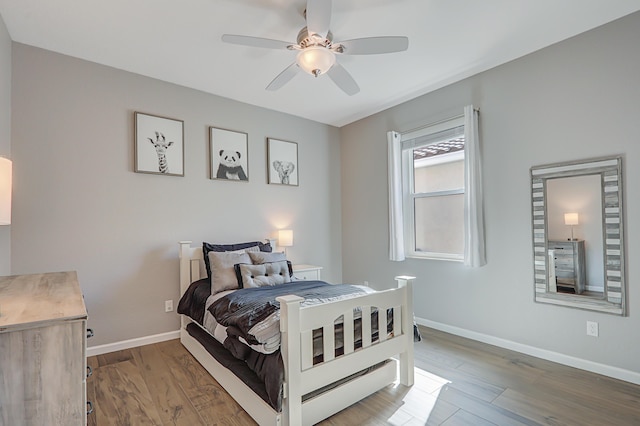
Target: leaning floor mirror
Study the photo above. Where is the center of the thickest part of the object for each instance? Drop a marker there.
(578, 238)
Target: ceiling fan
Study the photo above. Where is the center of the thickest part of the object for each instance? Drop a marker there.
(317, 51)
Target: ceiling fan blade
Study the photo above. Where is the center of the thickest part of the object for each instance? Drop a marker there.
(284, 77)
(318, 17)
(256, 41)
(373, 45)
(343, 79)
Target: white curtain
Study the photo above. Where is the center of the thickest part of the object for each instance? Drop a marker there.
(396, 228)
(474, 246)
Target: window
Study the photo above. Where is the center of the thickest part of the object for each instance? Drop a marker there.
(433, 191)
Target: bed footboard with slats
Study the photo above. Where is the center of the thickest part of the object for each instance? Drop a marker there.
(297, 325)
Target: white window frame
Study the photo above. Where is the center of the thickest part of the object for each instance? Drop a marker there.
(409, 141)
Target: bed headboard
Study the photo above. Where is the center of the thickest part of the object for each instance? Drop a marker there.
(190, 264)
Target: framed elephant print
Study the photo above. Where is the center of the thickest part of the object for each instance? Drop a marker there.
(159, 145)
(282, 162)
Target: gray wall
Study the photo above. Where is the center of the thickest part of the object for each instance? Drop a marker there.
(5, 135)
(576, 99)
(78, 205)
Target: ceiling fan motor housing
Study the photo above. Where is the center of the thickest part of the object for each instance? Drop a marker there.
(305, 39)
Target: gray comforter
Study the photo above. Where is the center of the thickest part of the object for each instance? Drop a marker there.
(255, 313)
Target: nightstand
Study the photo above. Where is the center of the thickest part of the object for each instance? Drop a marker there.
(306, 272)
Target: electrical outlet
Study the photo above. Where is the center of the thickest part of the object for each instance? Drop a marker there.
(366, 283)
(168, 305)
(592, 328)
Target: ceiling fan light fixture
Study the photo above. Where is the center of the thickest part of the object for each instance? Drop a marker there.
(316, 60)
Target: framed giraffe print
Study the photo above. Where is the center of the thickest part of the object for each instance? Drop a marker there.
(159, 145)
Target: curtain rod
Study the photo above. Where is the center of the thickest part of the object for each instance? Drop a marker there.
(438, 122)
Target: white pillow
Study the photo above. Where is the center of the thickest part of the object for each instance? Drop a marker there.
(223, 276)
(265, 274)
(266, 257)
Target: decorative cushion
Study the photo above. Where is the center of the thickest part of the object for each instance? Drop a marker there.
(223, 276)
(265, 274)
(208, 247)
(239, 273)
(260, 257)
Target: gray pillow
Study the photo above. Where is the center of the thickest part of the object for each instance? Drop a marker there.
(264, 257)
(264, 274)
(223, 276)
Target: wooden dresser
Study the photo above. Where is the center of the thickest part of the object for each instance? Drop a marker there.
(569, 264)
(43, 336)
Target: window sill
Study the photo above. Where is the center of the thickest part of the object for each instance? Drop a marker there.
(436, 256)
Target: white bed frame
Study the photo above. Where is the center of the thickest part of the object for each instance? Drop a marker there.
(301, 376)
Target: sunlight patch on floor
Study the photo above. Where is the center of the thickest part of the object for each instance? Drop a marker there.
(420, 400)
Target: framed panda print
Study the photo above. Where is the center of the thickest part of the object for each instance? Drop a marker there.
(228, 152)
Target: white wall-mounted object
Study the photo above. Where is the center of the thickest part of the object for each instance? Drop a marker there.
(5, 190)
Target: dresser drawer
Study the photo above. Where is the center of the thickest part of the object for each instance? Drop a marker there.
(562, 251)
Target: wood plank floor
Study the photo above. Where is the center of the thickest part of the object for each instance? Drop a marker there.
(458, 382)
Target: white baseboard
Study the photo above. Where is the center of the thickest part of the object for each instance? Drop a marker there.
(583, 364)
(132, 343)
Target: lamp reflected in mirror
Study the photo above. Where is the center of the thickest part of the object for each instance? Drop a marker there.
(571, 219)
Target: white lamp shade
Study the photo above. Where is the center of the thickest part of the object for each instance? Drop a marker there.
(316, 60)
(285, 238)
(571, 218)
(5, 191)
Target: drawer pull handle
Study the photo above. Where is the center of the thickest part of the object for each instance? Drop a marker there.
(89, 407)
(89, 371)
(89, 332)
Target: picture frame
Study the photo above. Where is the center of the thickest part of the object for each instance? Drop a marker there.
(228, 155)
(159, 145)
(282, 162)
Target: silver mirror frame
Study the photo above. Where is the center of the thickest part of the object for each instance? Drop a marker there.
(610, 171)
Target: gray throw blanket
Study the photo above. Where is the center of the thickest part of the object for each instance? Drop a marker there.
(255, 314)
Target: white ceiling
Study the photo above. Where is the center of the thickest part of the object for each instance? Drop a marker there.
(179, 41)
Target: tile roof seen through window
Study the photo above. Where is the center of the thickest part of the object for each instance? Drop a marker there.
(444, 147)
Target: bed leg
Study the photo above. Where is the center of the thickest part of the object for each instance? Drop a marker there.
(406, 357)
(290, 351)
